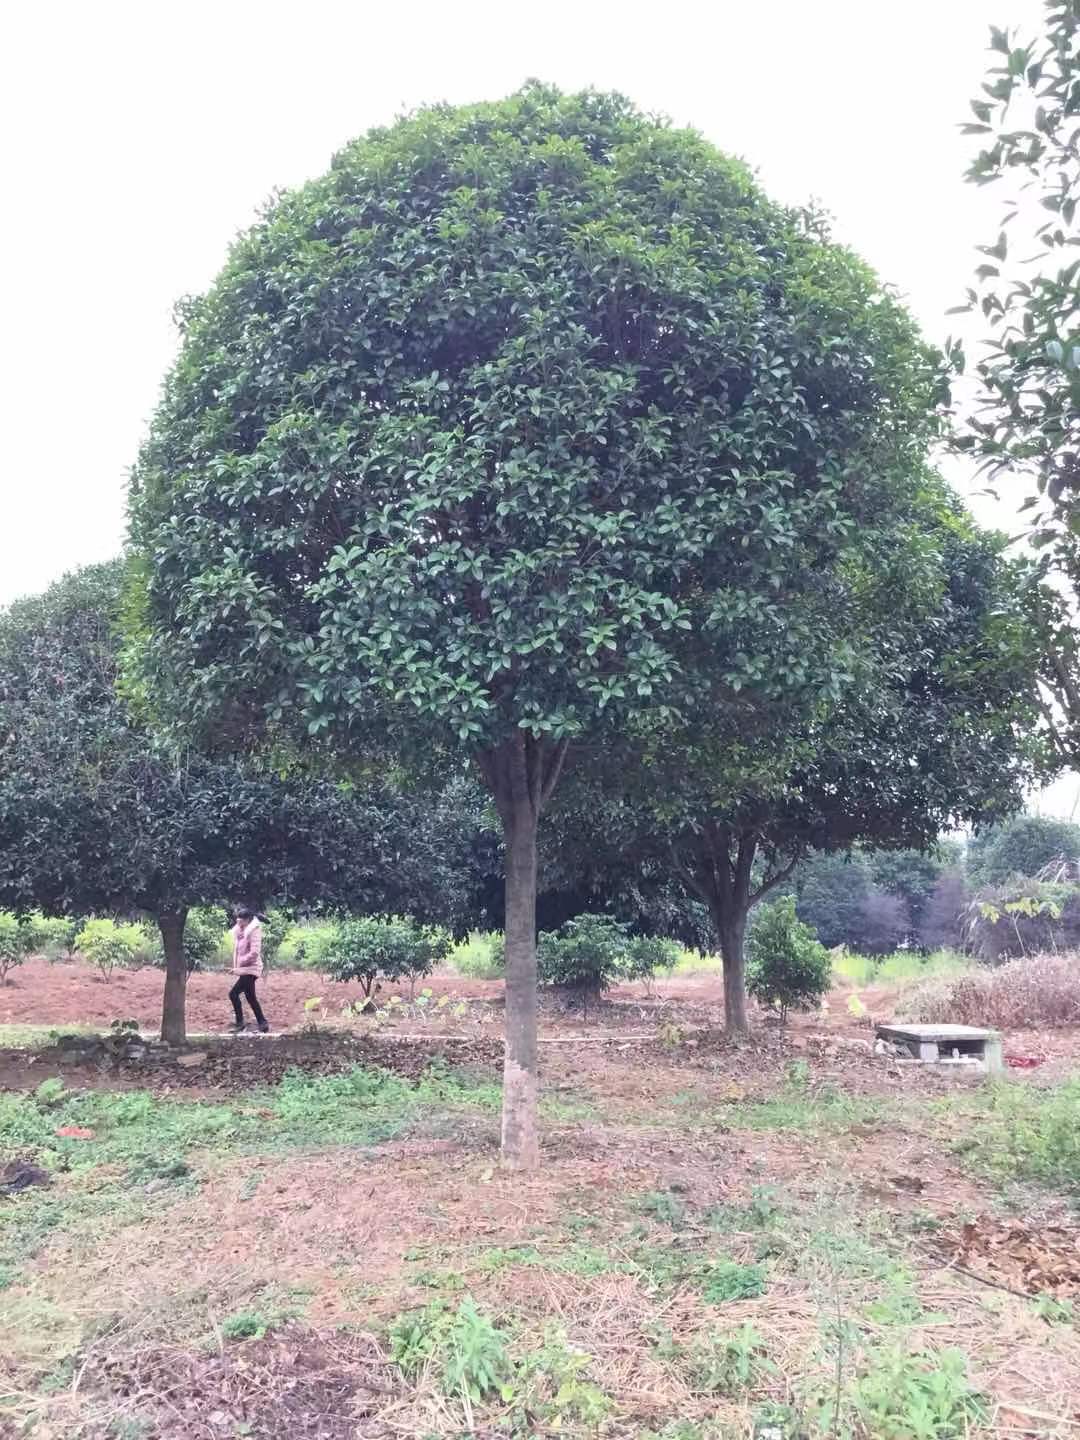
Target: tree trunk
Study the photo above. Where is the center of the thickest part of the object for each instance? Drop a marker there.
(520, 1144)
(521, 774)
(173, 1011)
(732, 932)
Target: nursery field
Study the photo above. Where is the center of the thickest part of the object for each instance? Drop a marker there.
(790, 1237)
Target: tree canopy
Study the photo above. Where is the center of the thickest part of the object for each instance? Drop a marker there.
(1022, 846)
(1025, 424)
(503, 432)
(938, 731)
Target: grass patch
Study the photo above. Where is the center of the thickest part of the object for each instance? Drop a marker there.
(900, 968)
(37, 1037)
(827, 1109)
(125, 1141)
(1021, 1132)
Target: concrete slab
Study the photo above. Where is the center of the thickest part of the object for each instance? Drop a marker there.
(939, 1033)
(934, 1044)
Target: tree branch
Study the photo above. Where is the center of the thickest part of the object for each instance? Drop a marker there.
(774, 880)
(554, 771)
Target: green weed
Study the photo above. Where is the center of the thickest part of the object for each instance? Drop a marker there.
(921, 1395)
(246, 1325)
(666, 1206)
(553, 1382)
(469, 1351)
(1024, 1133)
(732, 1364)
(727, 1280)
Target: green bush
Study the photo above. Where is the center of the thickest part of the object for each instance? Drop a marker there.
(648, 954)
(13, 946)
(50, 935)
(204, 932)
(394, 947)
(591, 953)
(481, 956)
(106, 944)
(305, 944)
(275, 926)
(787, 966)
(588, 954)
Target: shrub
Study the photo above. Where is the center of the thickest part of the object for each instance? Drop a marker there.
(587, 954)
(13, 946)
(203, 932)
(304, 944)
(481, 956)
(591, 953)
(647, 954)
(392, 946)
(1040, 991)
(275, 926)
(787, 967)
(50, 935)
(106, 944)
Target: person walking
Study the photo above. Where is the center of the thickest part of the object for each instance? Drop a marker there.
(247, 967)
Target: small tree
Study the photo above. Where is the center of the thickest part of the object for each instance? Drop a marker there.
(393, 947)
(50, 935)
(585, 955)
(106, 944)
(13, 944)
(787, 967)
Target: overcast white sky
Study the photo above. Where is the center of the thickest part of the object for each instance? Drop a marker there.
(140, 137)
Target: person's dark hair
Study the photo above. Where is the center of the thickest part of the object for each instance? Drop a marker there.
(244, 912)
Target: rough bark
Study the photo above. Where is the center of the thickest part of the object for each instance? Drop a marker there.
(520, 1142)
(173, 1007)
(521, 774)
(731, 932)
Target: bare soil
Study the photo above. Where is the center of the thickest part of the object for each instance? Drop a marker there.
(121, 1321)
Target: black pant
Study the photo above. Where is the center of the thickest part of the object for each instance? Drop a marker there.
(245, 986)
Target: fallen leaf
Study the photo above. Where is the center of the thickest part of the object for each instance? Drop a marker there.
(75, 1132)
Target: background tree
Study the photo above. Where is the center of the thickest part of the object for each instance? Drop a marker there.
(832, 890)
(1022, 846)
(909, 876)
(1026, 418)
(943, 919)
(96, 815)
(471, 430)
(938, 730)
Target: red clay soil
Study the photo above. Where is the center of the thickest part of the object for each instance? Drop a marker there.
(73, 993)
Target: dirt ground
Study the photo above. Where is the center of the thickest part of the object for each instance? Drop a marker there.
(73, 993)
(836, 1173)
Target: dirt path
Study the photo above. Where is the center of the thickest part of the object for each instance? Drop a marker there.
(39, 993)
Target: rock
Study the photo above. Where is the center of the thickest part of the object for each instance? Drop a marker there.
(155, 1185)
(20, 1175)
(191, 1059)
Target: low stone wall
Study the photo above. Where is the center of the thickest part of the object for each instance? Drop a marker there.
(260, 1059)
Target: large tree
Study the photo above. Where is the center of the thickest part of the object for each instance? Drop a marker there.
(473, 430)
(96, 814)
(938, 731)
(1024, 423)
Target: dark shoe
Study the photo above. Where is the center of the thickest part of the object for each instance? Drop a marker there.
(237, 1029)
(264, 1028)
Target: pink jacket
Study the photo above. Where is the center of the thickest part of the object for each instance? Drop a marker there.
(247, 948)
